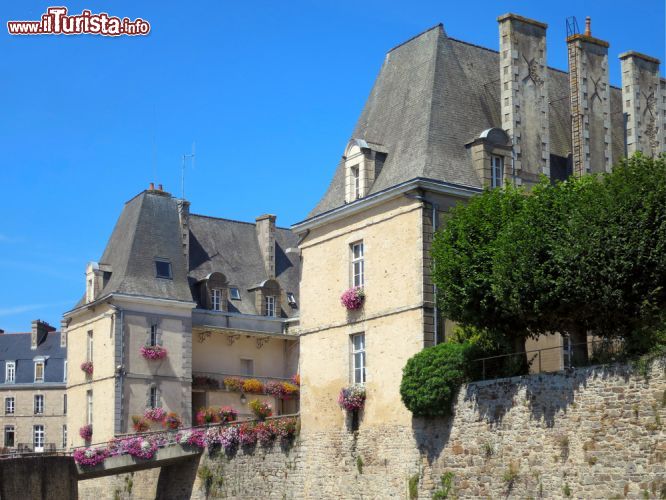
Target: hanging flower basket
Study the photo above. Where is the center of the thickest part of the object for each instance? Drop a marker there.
(153, 352)
(352, 398)
(261, 409)
(86, 432)
(155, 414)
(353, 298)
(87, 367)
(172, 421)
(140, 424)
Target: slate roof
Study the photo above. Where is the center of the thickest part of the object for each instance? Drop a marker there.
(149, 228)
(16, 347)
(433, 95)
(231, 247)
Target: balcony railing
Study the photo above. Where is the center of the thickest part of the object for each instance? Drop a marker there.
(216, 379)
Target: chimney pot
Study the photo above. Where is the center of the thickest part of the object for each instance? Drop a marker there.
(159, 187)
(588, 26)
(151, 186)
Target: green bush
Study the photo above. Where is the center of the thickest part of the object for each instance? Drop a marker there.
(432, 377)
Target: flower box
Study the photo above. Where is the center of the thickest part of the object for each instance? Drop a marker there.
(261, 409)
(87, 367)
(153, 352)
(155, 414)
(353, 298)
(352, 398)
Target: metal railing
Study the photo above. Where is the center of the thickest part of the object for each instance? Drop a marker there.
(28, 449)
(219, 379)
(546, 360)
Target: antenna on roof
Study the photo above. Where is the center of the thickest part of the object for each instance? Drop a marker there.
(191, 156)
(572, 26)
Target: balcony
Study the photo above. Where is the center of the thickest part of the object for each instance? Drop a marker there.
(204, 320)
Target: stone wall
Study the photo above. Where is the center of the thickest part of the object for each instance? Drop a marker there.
(589, 433)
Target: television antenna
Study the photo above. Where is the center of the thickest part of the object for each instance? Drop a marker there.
(191, 157)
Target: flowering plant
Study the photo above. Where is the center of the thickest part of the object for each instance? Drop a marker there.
(246, 435)
(205, 382)
(229, 438)
(296, 379)
(274, 388)
(227, 414)
(265, 432)
(253, 386)
(140, 424)
(172, 421)
(352, 398)
(353, 298)
(90, 457)
(233, 383)
(140, 447)
(87, 367)
(86, 432)
(153, 352)
(192, 438)
(261, 409)
(289, 389)
(286, 428)
(155, 414)
(207, 416)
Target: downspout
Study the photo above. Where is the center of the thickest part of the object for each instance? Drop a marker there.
(120, 369)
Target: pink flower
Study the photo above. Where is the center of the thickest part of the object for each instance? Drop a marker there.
(86, 432)
(155, 414)
(353, 298)
(153, 352)
(90, 457)
(352, 398)
(87, 367)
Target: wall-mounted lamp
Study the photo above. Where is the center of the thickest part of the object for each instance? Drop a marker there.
(243, 398)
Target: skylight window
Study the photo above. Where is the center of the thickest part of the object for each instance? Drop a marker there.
(163, 269)
(234, 293)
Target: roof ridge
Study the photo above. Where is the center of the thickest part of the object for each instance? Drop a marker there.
(439, 25)
(233, 220)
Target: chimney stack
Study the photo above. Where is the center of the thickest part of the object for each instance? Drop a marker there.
(151, 186)
(159, 187)
(266, 236)
(524, 94)
(184, 218)
(590, 103)
(642, 103)
(63, 332)
(40, 329)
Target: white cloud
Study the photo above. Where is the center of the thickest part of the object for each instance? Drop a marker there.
(9, 311)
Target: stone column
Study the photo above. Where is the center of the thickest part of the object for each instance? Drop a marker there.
(524, 94)
(590, 103)
(642, 103)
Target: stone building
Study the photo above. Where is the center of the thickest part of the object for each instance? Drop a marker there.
(218, 295)
(33, 376)
(444, 120)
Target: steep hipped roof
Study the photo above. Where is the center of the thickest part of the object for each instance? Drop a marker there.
(433, 95)
(231, 248)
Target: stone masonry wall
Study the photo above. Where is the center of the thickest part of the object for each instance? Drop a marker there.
(591, 433)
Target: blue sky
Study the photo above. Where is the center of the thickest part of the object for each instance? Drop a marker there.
(270, 92)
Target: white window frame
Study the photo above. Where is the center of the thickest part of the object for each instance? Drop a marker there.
(89, 407)
(89, 345)
(216, 299)
(496, 171)
(270, 305)
(4, 437)
(357, 263)
(38, 404)
(10, 372)
(356, 182)
(10, 405)
(234, 293)
(358, 373)
(291, 298)
(38, 437)
(250, 364)
(64, 376)
(43, 367)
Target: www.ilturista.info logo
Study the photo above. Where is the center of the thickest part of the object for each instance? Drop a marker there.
(56, 22)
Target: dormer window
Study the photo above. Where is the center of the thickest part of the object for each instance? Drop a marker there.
(489, 153)
(496, 171)
(213, 291)
(215, 299)
(39, 371)
(356, 186)
(270, 305)
(163, 269)
(363, 161)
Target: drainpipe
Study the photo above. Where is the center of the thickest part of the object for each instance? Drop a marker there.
(120, 369)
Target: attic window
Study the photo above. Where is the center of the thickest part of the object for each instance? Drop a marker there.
(234, 293)
(163, 269)
(291, 299)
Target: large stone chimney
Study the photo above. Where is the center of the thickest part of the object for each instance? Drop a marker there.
(40, 329)
(590, 103)
(266, 237)
(63, 332)
(184, 218)
(524, 94)
(642, 103)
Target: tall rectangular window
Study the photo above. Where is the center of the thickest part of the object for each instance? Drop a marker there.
(64, 436)
(64, 404)
(153, 335)
(10, 404)
(39, 404)
(39, 371)
(247, 367)
(10, 372)
(270, 305)
(89, 346)
(215, 299)
(89, 407)
(10, 433)
(153, 398)
(496, 171)
(356, 183)
(64, 376)
(357, 264)
(38, 439)
(358, 358)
